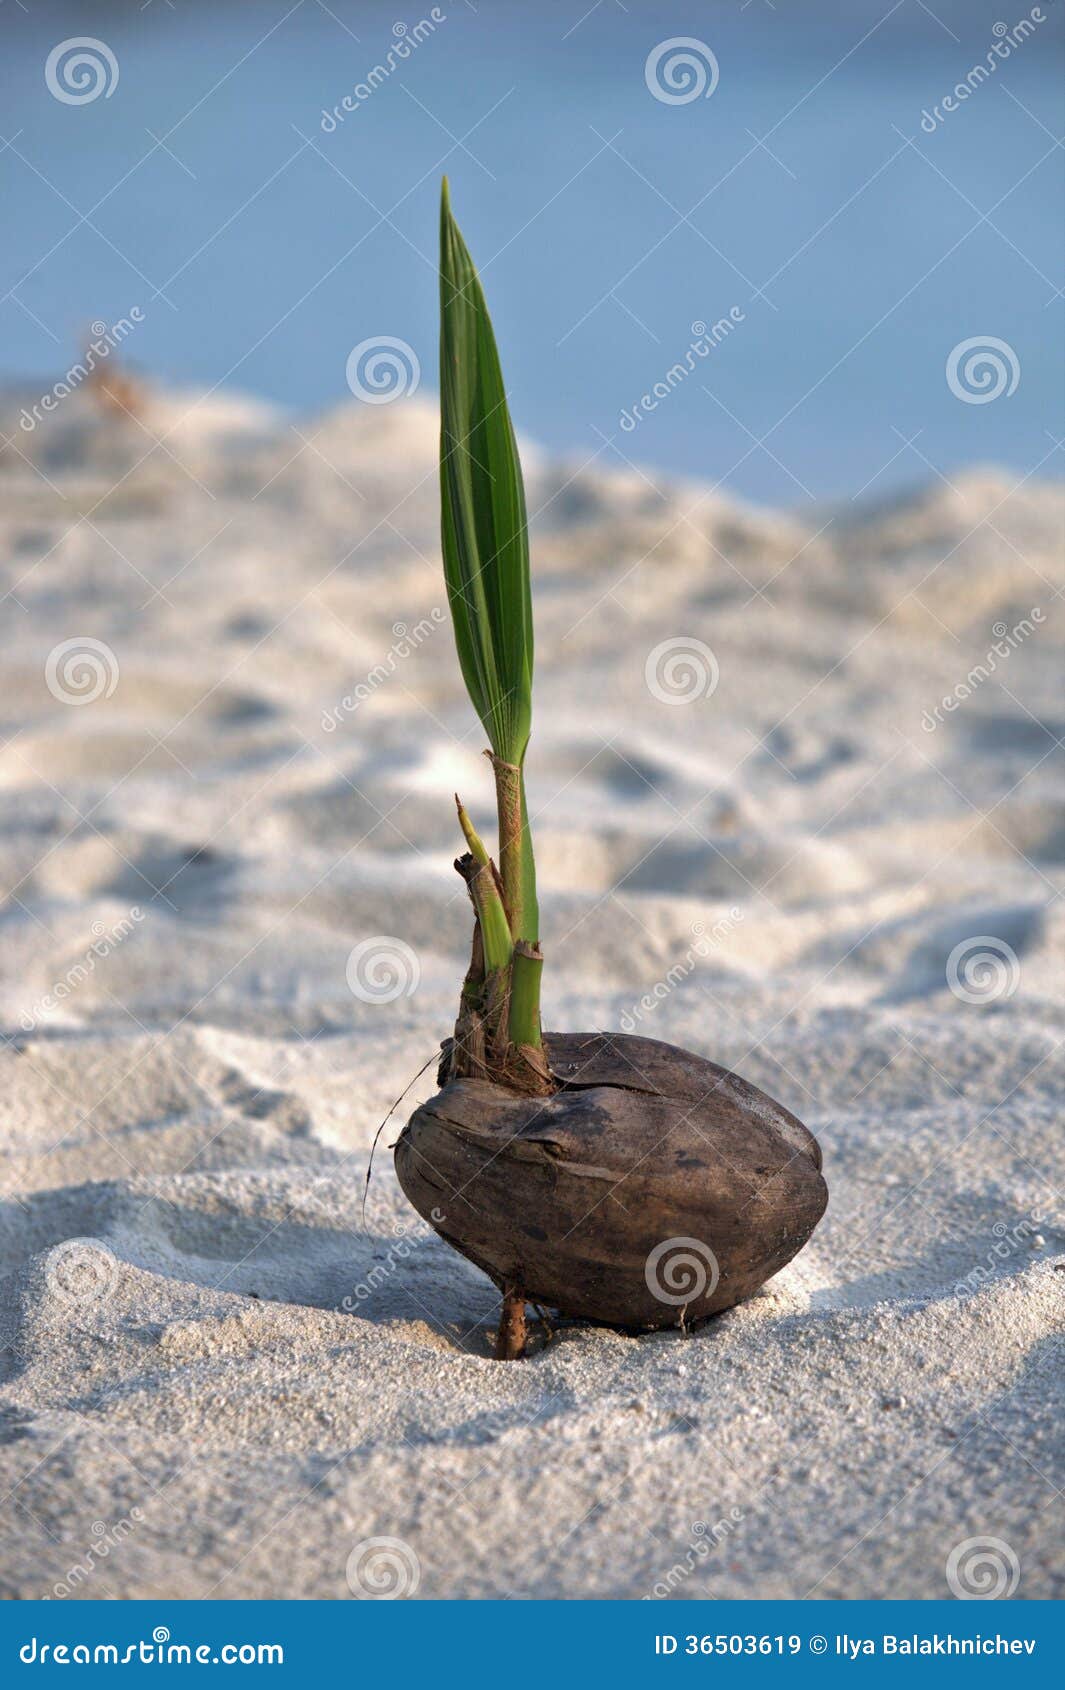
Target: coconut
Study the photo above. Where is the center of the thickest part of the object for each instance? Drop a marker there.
(651, 1189)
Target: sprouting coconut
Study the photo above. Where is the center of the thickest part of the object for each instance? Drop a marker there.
(609, 1177)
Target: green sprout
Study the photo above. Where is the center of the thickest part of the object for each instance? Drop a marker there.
(485, 543)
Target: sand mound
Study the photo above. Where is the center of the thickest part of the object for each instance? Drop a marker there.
(796, 792)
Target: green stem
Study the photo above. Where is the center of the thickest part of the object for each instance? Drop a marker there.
(508, 804)
(518, 874)
(516, 866)
(530, 904)
(525, 972)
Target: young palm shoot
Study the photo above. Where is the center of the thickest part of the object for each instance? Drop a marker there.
(610, 1177)
(485, 541)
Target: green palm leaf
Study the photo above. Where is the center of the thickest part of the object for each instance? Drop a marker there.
(483, 522)
(485, 542)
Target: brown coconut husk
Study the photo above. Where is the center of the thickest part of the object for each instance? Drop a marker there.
(647, 1188)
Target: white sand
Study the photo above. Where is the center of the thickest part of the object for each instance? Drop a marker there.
(200, 1100)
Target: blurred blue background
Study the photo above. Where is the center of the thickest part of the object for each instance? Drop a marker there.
(860, 248)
